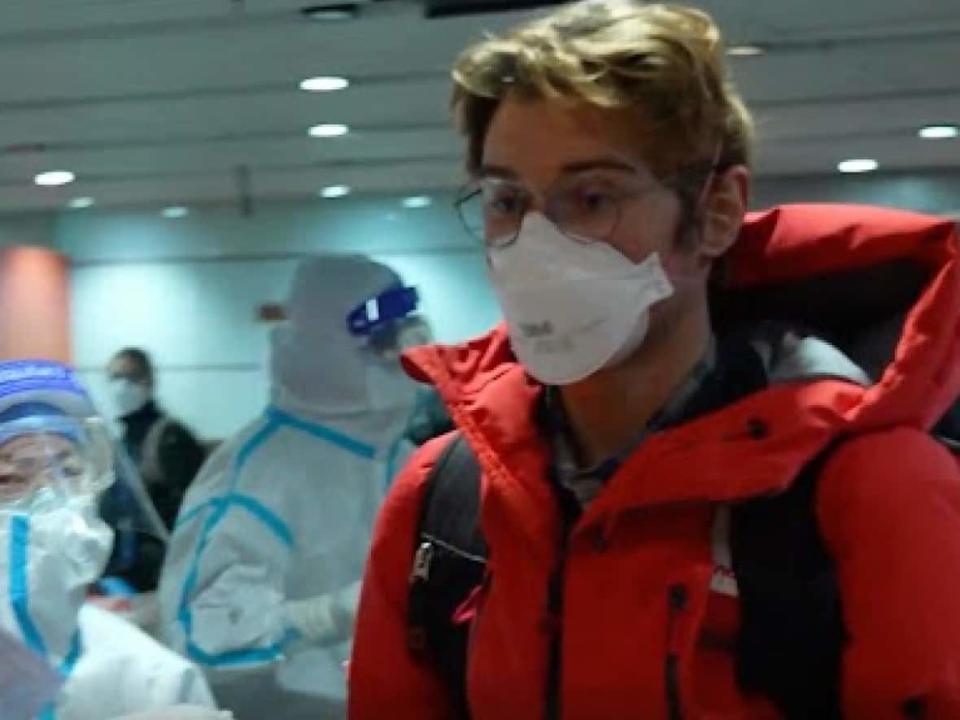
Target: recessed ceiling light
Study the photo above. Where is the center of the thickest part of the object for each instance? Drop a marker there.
(417, 201)
(175, 213)
(81, 203)
(324, 84)
(330, 13)
(55, 178)
(858, 165)
(940, 132)
(335, 191)
(329, 130)
(746, 51)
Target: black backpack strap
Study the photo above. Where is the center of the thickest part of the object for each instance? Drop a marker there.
(792, 634)
(449, 564)
(450, 514)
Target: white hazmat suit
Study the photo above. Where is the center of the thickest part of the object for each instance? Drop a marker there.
(263, 571)
(55, 461)
(124, 670)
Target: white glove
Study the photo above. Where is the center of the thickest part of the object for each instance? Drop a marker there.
(325, 619)
(180, 712)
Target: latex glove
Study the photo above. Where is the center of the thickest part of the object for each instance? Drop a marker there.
(180, 712)
(325, 619)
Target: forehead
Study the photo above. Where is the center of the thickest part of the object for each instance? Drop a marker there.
(538, 138)
(36, 442)
(123, 365)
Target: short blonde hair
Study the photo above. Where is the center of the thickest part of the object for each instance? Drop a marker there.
(664, 62)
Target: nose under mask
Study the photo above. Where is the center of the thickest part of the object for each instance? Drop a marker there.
(573, 308)
(49, 559)
(128, 396)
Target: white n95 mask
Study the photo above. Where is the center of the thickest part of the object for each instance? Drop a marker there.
(48, 559)
(572, 308)
(128, 396)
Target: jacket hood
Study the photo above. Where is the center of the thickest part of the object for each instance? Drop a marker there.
(880, 289)
(881, 285)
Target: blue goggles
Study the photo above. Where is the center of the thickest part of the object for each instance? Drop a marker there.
(382, 310)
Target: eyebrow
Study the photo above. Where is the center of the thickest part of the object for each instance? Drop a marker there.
(497, 171)
(598, 164)
(506, 173)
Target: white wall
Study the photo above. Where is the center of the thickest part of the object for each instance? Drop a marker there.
(188, 290)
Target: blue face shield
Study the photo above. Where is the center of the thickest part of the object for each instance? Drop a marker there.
(46, 461)
(378, 319)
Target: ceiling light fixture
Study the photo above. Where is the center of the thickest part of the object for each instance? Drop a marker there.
(81, 203)
(335, 191)
(54, 178)
(858, 165)
(417, 202)
(329, 130)
(331, 13)
(324, 83)
(939, 132)
(175, 213)
(745, 51)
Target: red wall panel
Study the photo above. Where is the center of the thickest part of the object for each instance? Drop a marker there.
(34, 304)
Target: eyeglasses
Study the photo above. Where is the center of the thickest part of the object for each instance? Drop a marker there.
(586, 207)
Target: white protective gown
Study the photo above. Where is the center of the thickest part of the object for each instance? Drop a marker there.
(282, 514)
(54, 545)
(123, 671)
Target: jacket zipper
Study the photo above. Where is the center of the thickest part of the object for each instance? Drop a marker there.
(569, 511)
(677, 605)
(555, 620)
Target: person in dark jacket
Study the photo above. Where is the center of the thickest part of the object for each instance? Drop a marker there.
(166, 453)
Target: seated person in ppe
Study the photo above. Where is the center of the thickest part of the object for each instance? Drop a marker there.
(55, 462)
(263, 569)
(675, 492)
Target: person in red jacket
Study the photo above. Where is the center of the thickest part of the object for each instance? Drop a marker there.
(670, 370)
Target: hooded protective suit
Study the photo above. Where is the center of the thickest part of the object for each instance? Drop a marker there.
(262, 575)
(55, 461)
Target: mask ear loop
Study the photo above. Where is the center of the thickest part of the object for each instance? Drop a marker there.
(708, 181)
(694, 224)
(708, 184)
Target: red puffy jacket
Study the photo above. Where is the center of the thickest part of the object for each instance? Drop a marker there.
(888, 505)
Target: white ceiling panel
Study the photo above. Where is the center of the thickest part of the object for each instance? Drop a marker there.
(362, 148)
(154, 192)
(158, 101)
(293, 112)
(896, 119)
